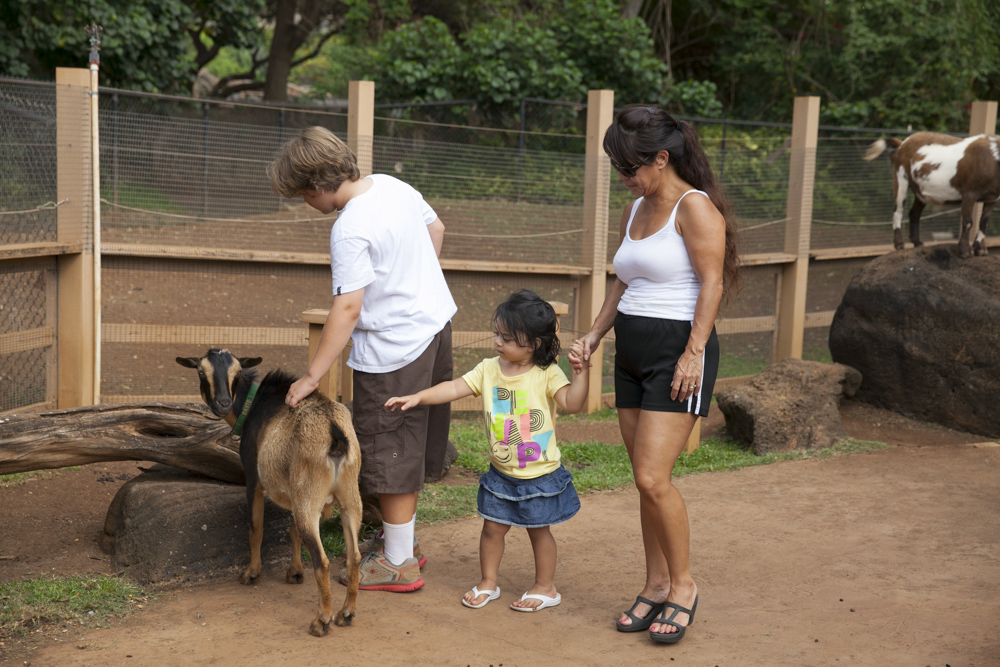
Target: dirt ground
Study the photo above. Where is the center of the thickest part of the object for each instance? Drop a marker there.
(882, 558)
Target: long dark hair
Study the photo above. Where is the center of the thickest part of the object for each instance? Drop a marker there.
(526, 317)
(639, 132)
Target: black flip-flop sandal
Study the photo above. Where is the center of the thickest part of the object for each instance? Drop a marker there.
(639, 624)
(673, 637)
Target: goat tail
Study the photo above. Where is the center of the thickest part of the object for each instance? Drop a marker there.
(880, 146)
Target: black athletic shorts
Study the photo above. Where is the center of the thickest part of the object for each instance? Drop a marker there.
(646, 352)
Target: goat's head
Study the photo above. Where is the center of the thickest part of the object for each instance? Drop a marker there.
(218, 371)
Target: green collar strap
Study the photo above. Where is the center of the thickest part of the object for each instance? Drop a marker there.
(238, 428)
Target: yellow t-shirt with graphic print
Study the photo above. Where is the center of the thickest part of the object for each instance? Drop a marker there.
(518, 413)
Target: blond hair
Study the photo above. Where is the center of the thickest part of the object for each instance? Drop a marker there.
(314, 160)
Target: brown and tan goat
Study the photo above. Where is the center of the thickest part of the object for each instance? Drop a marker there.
(303, 459)
(941, 169)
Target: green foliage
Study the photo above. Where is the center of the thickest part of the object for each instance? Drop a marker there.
(611, 52)
(696, 98)
(559, 54)
(80, 599)
(883, 63)
(418, 62)
(144, 45)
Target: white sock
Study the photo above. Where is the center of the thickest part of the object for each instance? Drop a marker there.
(398, 541)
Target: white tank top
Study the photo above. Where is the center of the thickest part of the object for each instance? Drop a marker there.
(657, 270)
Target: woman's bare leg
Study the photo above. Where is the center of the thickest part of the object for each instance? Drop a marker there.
(658, 440)
(657, 585)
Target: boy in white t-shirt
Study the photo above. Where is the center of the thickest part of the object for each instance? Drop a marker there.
(391, 299)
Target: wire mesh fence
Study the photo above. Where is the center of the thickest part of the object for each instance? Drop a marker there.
(200, 252)
(44, 203)
(27, 163)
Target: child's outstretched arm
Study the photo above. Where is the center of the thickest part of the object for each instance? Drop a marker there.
(446, 392)
(572, 397)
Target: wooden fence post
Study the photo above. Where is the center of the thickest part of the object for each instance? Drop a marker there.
(794, 275)
(76, 341)
(361, 122)
(982, 121)
(596, 197)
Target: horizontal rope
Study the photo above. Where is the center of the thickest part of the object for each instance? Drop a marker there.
(47, 206)
(841, 223)
(764, 224)
(199, 217)
(514, 236)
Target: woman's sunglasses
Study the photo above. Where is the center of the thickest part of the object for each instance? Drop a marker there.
(628, 172)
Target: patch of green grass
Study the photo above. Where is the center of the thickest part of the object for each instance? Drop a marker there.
(444, 503)
(469, 438)
(733, 366)
(32, 603)
(820, 354)
(595, 467)
(602, 415)
(18, 478)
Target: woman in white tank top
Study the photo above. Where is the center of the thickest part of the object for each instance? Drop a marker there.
(676, 258)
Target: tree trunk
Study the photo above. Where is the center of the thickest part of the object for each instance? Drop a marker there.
(292, 26)
(184, 435)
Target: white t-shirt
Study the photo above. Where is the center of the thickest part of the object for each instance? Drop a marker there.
(380, 243)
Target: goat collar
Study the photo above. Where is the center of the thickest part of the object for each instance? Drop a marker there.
(238, 427)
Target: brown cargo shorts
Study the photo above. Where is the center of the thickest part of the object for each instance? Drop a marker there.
(398, 449)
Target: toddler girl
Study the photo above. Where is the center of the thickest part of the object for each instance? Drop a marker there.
(525, 486)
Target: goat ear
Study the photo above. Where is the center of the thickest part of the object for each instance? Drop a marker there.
(249, 362)
(188, 362)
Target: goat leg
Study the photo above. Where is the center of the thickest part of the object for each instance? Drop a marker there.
(979, 246)
(256, 495)
(968, 206)
(915, 211)
(309, 531)
(294, 573)
(349, 500)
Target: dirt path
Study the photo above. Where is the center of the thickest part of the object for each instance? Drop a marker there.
(883, 558)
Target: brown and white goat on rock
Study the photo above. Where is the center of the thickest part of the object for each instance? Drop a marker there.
(941, 169)
(303, 459)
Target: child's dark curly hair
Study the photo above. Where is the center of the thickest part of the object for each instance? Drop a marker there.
(526, 317)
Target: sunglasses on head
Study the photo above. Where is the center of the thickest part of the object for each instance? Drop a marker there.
(629, 172)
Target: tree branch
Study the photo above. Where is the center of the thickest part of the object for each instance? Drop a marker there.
(184, 435)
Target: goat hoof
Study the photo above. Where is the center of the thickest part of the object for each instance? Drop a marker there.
(293, 577)
(981, 252)
(343, 619)
(247, 577)
(318, 628)
(897, 246)
(918, 244)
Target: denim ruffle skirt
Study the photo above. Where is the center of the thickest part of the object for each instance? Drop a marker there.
(528, 503)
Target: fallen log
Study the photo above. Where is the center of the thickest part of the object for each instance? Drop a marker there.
(183, 435)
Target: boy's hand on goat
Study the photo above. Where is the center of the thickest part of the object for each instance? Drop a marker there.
(404, 403)
(299, 390)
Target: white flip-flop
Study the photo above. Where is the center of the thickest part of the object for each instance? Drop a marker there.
(490, 596)
(546, 602)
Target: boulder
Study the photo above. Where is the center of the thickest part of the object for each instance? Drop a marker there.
(793, 404)
(170, 525)
(923, 328)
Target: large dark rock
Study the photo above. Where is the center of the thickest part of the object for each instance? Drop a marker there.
(793, 404)
(169, 525)
(923, 327)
